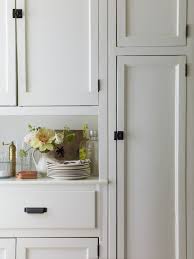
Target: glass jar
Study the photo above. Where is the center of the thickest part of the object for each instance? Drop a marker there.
(92, 151)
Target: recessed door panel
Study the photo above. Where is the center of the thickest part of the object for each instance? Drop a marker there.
(58, 52)
(151, 158)
(151, 22)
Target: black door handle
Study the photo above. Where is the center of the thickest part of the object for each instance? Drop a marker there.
(35, 210)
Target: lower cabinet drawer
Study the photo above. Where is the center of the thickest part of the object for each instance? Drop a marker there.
(57, 248)
(48, 209)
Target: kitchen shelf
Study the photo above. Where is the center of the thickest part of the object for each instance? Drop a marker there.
(50, 181)
(52, 110)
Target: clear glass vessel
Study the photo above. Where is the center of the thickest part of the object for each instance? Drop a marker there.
(92, 151)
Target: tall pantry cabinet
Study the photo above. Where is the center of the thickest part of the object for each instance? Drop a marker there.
(147, 84)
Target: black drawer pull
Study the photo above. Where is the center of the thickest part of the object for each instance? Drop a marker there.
(35, 210)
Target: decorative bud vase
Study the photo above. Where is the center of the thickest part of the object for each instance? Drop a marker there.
(41, 166)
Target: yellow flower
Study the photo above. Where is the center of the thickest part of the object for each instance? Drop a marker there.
(43, 140)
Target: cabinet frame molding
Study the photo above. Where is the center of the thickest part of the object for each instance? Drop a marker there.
(8, 92)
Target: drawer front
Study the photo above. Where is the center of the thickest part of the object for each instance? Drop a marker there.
(48, 209)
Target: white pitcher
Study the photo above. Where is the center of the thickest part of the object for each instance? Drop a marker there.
(41, 166)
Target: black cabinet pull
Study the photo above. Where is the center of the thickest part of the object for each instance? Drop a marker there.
(35, 210)
(17, 13)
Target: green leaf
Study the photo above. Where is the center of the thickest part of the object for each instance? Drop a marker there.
(70, 137)
(30, 127)
(85, 131)
(23, 153)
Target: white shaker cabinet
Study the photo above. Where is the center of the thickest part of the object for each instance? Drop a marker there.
(7, 248)
(57, 248)
(7, 54)
(151, 23)
(151, 159)
(57, 44)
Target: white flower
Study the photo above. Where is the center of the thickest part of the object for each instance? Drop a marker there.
(28, 138)
(59, 138)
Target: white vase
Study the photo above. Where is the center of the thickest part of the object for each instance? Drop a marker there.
(41, 166)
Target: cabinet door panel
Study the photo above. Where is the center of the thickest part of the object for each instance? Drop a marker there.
(58, 248)
(151, 159)
(7, 54)
(151, 22)
(58, 52)
(7, 248)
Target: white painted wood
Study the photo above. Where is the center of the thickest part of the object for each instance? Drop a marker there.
(49, 181)
(190, 134)
(151, 160)
(7, 54)
(151, 22)
(152, 51)
(66, 209)
(103, 128)
(62, 110)
(103, 73)
(7, 248)
(112, 155)
(58, 248)
(70, 233)
(58, 52)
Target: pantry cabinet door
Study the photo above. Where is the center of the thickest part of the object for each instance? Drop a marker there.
(58, 52)
(57, 248)
(151, 159)
(7, 54)
(151, 22)
(7, 248)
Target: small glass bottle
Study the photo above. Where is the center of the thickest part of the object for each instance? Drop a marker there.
(92, 151)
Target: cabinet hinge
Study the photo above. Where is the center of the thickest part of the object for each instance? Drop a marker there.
(187, 31)
(99, 88)
(186, 70)
(17, 13)
(118, 135)
(98, 250)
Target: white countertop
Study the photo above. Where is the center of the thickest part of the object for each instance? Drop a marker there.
(50, 181)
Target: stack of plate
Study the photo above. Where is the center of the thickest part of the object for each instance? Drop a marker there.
(68, 170)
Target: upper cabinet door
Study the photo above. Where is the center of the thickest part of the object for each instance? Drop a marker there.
(151, 103)
(58, 52)
(7, 248)
(57, 248)
(7, 54)
(151, 23)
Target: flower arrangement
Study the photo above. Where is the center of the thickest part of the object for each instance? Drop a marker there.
(44, 139)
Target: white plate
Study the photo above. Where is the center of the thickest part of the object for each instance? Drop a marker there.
(69, 178)
(68, 175)
(67, 167)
